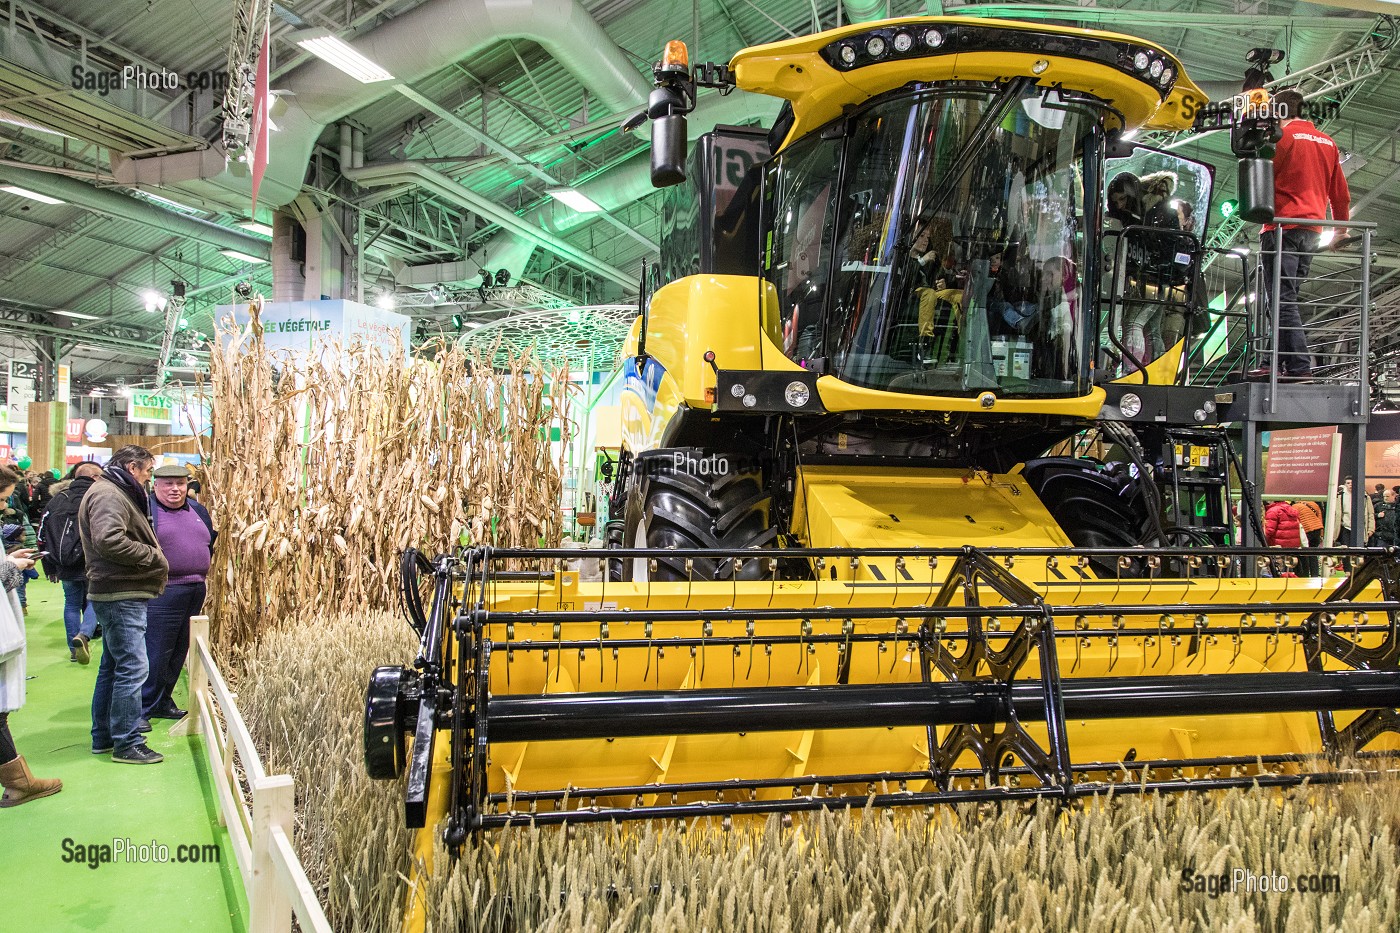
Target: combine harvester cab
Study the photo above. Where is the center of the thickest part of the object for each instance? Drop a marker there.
(842, 570)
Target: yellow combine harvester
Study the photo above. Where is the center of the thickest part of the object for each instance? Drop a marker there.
(843, 571)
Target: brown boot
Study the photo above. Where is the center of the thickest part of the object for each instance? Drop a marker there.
(22, 787)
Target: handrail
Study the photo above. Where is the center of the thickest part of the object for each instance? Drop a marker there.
(259, 829)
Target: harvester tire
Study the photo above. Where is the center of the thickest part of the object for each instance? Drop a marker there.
(1094, 508)
(684, 510)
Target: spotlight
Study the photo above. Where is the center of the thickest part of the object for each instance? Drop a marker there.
(437, 293)
(177, 288)
(502, 278)
(1258, 74)
(155, 301)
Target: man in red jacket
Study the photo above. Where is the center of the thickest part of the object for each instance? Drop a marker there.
(1281, 529)
(1307, 179)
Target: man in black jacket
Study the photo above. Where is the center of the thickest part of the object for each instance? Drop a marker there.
(125, 571)
(60, 540)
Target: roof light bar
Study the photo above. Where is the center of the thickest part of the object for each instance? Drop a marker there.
(242, 257)
(336, 51)
(31, 195)
(576, 199)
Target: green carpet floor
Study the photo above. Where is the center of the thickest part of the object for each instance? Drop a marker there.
(170, 803)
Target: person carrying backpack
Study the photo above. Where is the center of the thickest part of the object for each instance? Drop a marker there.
(58, 536)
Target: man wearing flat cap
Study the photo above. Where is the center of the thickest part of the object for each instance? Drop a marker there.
(186, 536)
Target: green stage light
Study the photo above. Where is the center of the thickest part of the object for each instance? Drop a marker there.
(1229, 208)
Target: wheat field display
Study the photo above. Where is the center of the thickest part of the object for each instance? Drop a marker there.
(1107, 865)
(323, 467)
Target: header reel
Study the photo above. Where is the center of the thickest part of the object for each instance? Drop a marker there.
(970, 675)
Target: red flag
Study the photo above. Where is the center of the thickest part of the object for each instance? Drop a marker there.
(262, 103)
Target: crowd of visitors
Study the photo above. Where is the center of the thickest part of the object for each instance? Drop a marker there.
(131, 556)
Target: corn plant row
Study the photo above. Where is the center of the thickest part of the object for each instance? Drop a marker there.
(324, 466)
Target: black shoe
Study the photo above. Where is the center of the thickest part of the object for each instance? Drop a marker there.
(1299, 375)
(168, 712)
(97, 633)
(79, 644)
(143, 725)
(102, 751)
(138, 755)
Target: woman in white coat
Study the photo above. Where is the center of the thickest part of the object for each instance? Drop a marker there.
(20, 786)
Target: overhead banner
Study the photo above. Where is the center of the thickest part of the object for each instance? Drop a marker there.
(21, 390)
(149, 408)
(1299, 464)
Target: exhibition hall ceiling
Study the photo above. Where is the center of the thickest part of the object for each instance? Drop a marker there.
(492, 105)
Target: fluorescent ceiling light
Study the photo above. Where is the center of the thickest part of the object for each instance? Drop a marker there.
(576, 199)
(339, 53)
(253, 226)
(241, 257)
(176, 205)
(31, 195)
(78, 314)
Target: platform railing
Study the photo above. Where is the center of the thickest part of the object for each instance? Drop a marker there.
(1337, 310)
(259, 822)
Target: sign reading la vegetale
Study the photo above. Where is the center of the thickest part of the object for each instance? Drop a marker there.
(297, 327)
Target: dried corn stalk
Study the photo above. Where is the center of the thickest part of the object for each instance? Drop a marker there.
(322, 469)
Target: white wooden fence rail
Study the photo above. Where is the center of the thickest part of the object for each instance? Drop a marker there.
(260, 828)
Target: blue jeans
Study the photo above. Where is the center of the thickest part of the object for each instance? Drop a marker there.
(1299, 245)
(116, 698)
(168, 642)
(78, 615)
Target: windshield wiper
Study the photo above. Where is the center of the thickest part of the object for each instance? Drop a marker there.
(971, 149)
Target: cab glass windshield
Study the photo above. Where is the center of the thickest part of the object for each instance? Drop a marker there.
(934, 245)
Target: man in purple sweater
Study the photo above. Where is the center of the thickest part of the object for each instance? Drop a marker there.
(186, 537)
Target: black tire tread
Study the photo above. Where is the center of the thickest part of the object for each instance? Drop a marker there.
(688, 511)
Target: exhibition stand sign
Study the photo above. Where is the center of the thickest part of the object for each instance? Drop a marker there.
(310, 325)
(148, 408)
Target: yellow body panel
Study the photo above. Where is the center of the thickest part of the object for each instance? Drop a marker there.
(1160, 372)
(795, 71)
(903, 508)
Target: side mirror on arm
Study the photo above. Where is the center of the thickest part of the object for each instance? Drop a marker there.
(668, 137)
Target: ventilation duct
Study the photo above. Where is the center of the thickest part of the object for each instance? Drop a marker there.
(864, 11)
(104, 201)
(411, 47)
